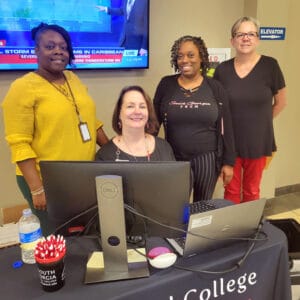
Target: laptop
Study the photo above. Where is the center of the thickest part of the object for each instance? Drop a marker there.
(219, 227)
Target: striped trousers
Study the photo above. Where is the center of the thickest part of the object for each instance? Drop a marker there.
(205, 175)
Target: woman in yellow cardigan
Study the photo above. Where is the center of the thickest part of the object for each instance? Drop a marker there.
(49, 115)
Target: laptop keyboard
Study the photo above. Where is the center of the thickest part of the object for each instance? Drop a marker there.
(193, 208)
(180, 241)
(201, 206)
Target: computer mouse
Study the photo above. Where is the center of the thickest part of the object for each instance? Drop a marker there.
(152, 253)
(161, 257)
(163, 261)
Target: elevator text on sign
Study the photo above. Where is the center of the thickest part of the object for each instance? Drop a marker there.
(272, 33)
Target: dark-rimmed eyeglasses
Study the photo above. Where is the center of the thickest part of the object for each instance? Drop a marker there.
(249, 35)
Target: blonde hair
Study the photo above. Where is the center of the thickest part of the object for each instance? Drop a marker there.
(241, 20)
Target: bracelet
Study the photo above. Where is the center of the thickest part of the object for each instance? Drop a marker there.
(38, 191)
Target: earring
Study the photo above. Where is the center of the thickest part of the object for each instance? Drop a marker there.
(119, 124)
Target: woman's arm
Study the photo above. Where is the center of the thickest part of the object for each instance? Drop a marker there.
(32, 178)
(226, 127)
(157, 102)
(280, 102)
(101, 137)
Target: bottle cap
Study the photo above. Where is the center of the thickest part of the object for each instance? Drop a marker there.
(17, 264)
(27, 212)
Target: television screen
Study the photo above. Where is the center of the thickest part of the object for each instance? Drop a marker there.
(106, 34)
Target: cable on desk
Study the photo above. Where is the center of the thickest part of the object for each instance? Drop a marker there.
(236, 266)
(134, 211)
(92, 220)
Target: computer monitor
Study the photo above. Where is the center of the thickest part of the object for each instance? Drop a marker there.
(158, 190)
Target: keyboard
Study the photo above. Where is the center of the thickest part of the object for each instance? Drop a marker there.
(197, 207)
(201, 206)
(192, 208)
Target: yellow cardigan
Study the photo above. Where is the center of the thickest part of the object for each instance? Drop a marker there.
(41, 122)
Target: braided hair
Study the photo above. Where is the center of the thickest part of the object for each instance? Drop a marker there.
(199, 43)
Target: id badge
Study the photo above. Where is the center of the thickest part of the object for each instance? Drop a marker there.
(84, 131)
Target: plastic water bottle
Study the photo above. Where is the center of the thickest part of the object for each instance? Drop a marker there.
(29, 234)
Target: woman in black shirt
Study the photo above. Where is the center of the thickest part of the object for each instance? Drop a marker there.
(196, 118)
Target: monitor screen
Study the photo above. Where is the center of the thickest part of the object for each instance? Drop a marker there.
(159, 190)
(102, 39)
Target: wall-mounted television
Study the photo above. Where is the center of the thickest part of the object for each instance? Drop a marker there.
(102, 39)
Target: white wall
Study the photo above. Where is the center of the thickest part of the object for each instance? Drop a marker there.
(169, 20)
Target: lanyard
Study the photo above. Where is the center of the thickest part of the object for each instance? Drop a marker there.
(83, 127)
(66, 94)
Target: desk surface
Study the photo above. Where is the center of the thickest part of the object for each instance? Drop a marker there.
(283, 207)
(263, 276)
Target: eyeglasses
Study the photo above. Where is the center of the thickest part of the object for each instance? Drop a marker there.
(250, 35)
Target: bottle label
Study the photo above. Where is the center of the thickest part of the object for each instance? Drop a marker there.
(29, 246)
(31, 236)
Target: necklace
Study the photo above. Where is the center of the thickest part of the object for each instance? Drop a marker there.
(190, 86)
(66, 90)
(189, 92)
(63, 88)
(130, 150)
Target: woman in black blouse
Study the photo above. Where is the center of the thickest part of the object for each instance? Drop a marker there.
(134, 121)
(196, 118)
(257, 94)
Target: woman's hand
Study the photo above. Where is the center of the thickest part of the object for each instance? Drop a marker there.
(226, 174)
(34, 182)
(39, 201)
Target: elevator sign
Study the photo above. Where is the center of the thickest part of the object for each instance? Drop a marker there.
(272, 33)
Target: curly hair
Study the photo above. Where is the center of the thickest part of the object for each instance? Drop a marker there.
(199, 43)
(36, 33)
(152, 123)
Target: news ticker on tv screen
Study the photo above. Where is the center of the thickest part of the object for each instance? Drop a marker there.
(25, 58)
(95, 34)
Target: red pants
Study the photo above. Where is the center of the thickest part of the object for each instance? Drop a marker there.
(245, 184)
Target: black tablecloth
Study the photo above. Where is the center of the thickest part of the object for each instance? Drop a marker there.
(263, 276)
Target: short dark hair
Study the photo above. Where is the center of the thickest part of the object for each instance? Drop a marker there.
(36, 33)
(152, 124)
(199, 43)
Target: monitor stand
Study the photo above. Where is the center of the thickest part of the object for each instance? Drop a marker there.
(116, 265)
